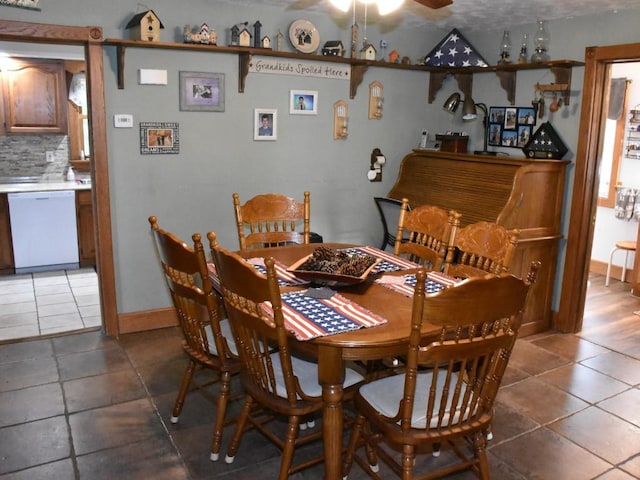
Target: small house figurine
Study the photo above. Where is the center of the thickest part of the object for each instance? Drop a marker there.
(256, 33)
(205, 35)
(145, 26)
(368, 52)
(333, 48)
(394, 56)
(279, 41)
(265, 42)
(244, 37)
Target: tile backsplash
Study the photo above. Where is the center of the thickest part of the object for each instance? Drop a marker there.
(25, 156)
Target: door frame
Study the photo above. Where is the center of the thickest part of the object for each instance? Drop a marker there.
(91, 39)
(585, 186)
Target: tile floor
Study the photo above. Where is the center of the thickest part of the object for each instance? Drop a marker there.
(43, 303)
(83, 406)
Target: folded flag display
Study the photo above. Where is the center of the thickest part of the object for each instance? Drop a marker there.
(454, 51)
(309, 317)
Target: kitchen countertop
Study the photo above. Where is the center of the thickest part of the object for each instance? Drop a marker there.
(43, 186)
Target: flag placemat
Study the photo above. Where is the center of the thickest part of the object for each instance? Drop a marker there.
(390, 262)
(308, 317)
(405, 284)
(285, 278)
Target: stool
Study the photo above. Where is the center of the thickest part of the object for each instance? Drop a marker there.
(627, 246)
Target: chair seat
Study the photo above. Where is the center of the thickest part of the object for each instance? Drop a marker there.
(225, 327)
(385, 395)
(627, 245)
(307, 373)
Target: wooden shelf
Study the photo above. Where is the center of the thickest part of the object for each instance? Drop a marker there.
(507, 73)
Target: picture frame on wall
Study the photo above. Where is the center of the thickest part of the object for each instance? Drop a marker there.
(265, 124)
(510, 126)
(303, 102)
(201, 92)
(159, 138)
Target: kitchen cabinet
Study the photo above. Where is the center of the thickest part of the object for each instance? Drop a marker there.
(6, 247)
(35, 99)
(86, 235)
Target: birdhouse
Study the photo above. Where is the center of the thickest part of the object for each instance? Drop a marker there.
(244, 38)
(145, 26)
(266, 42)
(368, 52)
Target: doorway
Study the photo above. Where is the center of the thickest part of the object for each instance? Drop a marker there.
(90, 38)
(585, 189)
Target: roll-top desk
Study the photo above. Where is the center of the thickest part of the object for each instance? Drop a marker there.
(514, 192)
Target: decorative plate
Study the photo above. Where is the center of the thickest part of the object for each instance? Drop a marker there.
(304, 36)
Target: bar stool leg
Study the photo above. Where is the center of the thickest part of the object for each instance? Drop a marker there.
(624, 266)
(606, 279)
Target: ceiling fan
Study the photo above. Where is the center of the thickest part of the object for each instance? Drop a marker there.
(388, 6)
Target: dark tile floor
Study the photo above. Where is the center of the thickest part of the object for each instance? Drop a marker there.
(84, 406)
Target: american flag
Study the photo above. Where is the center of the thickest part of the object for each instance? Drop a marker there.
(454, 51)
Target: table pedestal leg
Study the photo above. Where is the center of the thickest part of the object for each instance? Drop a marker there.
(331, 377)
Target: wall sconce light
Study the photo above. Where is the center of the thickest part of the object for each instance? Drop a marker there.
(375, 170)
(375, 100)
(340, 115)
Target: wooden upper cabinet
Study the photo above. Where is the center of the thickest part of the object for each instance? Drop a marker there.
(35, 97)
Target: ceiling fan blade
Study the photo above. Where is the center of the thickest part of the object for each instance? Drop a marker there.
(435, 4)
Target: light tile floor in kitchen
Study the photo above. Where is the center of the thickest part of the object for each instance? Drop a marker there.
(43, 303)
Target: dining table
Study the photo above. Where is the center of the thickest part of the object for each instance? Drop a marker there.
(386, 340)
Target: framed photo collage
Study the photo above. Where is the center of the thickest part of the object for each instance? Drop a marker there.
(510, 126)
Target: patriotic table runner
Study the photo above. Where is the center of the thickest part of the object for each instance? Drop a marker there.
(405, 284)
(390, 262)
(308, 317)
(285, 278)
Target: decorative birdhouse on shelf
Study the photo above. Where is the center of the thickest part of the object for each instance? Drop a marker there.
(244, 37)
(368, 52)
(145, 26)
(265, 42)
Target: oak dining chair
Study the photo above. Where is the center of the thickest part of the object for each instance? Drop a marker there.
(481, 248)
(207, 338)
(428, 231)
(450, 402)
(272, 219)
(274, 379)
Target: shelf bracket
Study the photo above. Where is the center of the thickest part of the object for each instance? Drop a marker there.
(120, 50)
(357, 74)
(465, 83)
(563, 75)
(435, 83)
(244, 60)
(508, 84)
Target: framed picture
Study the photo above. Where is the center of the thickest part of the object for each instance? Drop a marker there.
(495, 134)
(159, 137)
(303, 102)
(510, 126)
(265, 124)
(28, 4)
(510, 118)
(201, 92)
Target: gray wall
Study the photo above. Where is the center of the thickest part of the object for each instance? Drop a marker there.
(192, 191)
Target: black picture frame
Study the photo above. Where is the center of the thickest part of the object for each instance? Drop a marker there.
(510, 127)
(159, 138)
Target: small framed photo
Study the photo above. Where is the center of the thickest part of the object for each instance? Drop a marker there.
(159, 137)
(526, 116)
(303, 102)
(510, 118)
(495, 134)
(509, 138)
(524, 135)
(265, 124)
(201, 92)
(496, 115)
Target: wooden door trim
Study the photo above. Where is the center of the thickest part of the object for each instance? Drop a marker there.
(585, 187)
(91, 39)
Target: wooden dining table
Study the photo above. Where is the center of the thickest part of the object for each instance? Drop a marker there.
(331, 352)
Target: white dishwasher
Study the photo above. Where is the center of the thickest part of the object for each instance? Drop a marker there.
(44, 230)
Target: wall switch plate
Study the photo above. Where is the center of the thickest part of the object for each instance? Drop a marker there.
(121, 120)
(49, 156)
